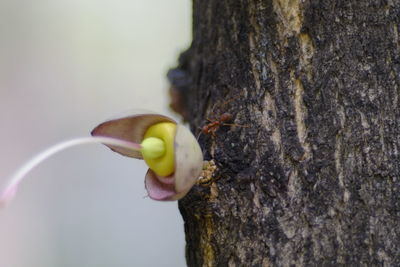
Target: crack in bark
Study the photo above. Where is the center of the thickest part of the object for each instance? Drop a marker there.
(300, 114)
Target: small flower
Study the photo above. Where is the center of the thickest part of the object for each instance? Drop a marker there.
(172, 172)
(169, 149)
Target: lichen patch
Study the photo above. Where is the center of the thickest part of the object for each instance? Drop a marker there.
(254, 62)
(268, 119)
(338, 162)
(207, 173)
(290, 17)
(209, 257)
(213, 191)
(306, 53)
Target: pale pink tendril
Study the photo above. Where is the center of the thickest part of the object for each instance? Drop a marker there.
(11, 188)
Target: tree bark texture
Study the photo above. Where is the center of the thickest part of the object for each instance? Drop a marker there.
(309, 174)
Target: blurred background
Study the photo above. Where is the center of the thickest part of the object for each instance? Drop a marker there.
(65, 66)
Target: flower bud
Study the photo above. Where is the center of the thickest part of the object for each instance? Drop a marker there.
(172, 172)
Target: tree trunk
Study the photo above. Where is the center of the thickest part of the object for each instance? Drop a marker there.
(307, 173)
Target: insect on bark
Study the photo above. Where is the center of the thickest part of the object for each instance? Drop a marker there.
(223, 120)
(213, 126)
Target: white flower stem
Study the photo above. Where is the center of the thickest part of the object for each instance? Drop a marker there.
(11, 187)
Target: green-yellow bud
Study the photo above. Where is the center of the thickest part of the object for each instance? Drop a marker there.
(153, 148)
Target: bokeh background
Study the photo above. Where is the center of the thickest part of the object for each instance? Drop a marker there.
(65, 66)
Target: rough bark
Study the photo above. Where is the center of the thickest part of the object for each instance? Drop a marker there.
(310, 174)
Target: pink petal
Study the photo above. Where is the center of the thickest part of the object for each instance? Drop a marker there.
(129, 128)
(159, 188)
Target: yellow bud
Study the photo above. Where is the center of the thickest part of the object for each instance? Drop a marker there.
(163, 165)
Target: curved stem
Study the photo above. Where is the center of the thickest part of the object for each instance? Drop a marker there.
(11, 188)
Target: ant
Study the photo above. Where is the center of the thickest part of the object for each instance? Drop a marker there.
(213, 125)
